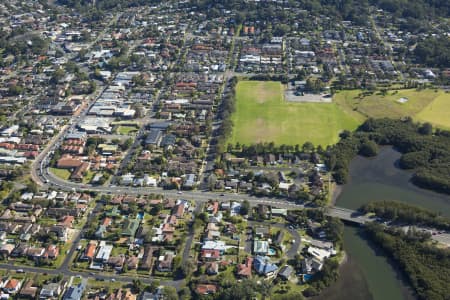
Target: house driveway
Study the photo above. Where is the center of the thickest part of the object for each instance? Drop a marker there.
(293, 250)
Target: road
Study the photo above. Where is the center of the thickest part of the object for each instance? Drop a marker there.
(190, 237)
(99, 276)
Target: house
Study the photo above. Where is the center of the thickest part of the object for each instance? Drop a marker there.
(178, 210)
(212, 235)
(127, 179)
(35, 252)
(210, 255)
(310, 265)
(285, 272)
(214, 245)
(89, 252)
(154, 137)
(318, 253)
(263, 266)
(189, 181)
(5, 250)
(165, 262)
(67, 221)
(148, 296)
(104, 252)
(205, 289)
(100, 232)
(51, 252)
(51, 291)
(212, 268)
(260, 247)
(60, 231)
(212, 207)
(28, 290)
(262, 211)
(20, 250)
(245, 269)
(132, 262)
(147, 258)
(117, 262)
(75, 292)
(12, 286)
(129, 227)
(279, 237)
(262, 232)
(279, 212)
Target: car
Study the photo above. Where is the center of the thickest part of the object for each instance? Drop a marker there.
(179, 192)
(20, 271)
(222, 194)
(113, 279)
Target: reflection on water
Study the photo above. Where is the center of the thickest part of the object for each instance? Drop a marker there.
(378, 178)
(367, 274)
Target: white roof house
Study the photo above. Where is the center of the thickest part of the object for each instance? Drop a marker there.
(104, 253)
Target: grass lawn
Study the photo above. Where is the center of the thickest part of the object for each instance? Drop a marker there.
(425, 105)
(437, 112)
(262, 115)
(61, 173)
(125, 130)
(88, 177)
(95, 284)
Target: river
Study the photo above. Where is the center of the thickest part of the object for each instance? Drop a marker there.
(367, 273)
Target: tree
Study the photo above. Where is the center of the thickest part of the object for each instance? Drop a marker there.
(15, 90)
(245, 208)
(426, 129)
(154, 285)
(308, 147)
(369, 149)
(32, 187)
(188, 268)
(58, 75)
(169, 293)
(138, 286)
(212, 179)
(139, 109)
(341, 176)
(345, 134)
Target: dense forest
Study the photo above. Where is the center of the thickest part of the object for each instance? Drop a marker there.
(426, 151)
(20, 43)
(354, 10)
(426, 267)
(434, 52)
(406, 213)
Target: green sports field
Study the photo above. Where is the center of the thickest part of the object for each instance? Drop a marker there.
(427, 105)
(437, 112)
(262, 115)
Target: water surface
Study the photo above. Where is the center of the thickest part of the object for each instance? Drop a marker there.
(379, 178)
(367, 273)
